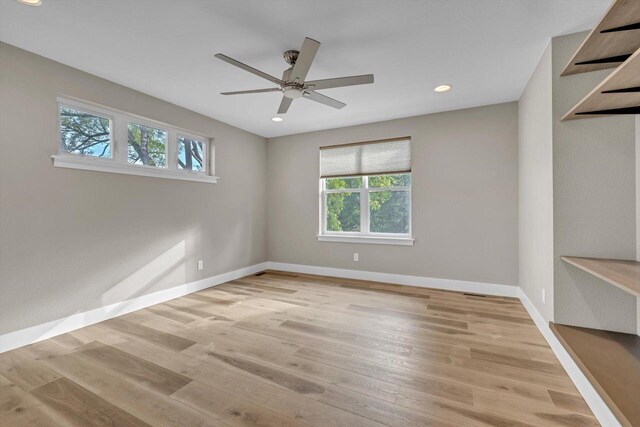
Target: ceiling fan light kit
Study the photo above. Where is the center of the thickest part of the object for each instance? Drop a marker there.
(293, 84)
(292, 91)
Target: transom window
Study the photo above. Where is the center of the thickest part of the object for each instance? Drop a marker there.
(97, 138)
(372, 197)
(84, 132)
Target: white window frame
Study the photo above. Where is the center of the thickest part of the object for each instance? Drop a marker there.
(119, 147)
(364, 235)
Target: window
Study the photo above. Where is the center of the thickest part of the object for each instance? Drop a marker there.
(371, 201)
(84, 133)
(342, 197)
(191, 154)
(101, 139)
(147, 145)
(389, 203)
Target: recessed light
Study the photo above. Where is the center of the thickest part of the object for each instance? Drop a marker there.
(277, 119)
(442, 88)
(31, 2)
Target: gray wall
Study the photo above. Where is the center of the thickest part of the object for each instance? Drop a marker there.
(638, 213)
(594, 200)
(74, 240)
(638, 191)
(535, 148)
(465, 197)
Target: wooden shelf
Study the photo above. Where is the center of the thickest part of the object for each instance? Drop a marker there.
(615, 38)
(611, 362)
(625, 274)
(619, 93)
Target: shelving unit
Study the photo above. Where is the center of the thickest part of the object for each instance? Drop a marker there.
(624, 274)
(619, 93)
(611, 42)
(611, 362)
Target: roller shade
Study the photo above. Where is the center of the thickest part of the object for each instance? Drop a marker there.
(366, 158)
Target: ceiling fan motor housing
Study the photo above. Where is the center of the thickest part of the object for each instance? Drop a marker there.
(291, 56)
(291, 89)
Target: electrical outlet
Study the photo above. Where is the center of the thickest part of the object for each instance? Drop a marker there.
(544, 296)
(200, 264)
(355, 256)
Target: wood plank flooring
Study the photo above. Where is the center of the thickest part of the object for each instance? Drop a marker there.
(281, 349)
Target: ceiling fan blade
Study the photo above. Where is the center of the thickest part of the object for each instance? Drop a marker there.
(245, 67)
(322, 99)
(340, 82)
(305, 59)
(242, 92)
(284, 105)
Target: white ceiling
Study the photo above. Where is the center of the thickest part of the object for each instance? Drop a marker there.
(486, 49)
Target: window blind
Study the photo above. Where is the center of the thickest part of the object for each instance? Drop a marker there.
(366, 158)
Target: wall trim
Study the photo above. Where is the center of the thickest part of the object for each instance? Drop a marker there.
(599, 408)
(401, 279)
(33, 334)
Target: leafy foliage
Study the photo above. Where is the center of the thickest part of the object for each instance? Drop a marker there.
(343, 209)
(339, 183)
(85, 134)
(343, 212)
(147, 145)
(382, 181)
(389, 212)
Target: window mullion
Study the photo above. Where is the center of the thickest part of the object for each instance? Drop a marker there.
(172, 149)
(121, 140)
(323, 208)
(364, 206)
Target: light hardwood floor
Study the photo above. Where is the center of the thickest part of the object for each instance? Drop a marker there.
(281, 349)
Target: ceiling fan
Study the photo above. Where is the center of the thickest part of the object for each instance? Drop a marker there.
(293, 84)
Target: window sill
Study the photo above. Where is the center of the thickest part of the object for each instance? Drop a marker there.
(376, 240)
(100, 165)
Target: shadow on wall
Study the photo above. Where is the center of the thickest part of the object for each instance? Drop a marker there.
(171, 262)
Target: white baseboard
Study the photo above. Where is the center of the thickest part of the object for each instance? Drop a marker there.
(590, 395)
(401, 279)
(43, 331)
